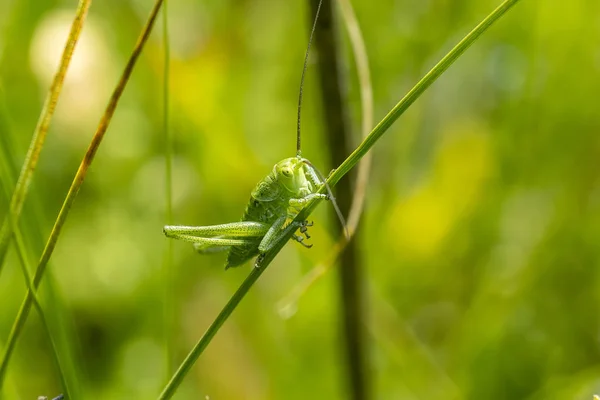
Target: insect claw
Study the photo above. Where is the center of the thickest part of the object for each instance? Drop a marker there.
(300, 240)
(259, 259)
(304, 228)
(308, 246)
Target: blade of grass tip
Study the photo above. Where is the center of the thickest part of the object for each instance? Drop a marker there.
(418, 90)
(346, 166)
(74, 190)
(22, 255)
(41, 129)
(169, 301)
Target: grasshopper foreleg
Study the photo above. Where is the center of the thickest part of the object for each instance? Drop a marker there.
(301, 202)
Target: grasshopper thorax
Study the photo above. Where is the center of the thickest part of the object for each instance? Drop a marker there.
(290, 174)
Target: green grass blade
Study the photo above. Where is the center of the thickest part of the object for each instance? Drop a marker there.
(41, 130)
(359, 49)
(74, 189)
(418, 90)
(344, 168)
(169, 307)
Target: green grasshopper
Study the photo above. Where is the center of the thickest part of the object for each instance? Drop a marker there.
(274, 203)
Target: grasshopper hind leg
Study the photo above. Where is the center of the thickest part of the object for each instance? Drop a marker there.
(277, 232)
(210, 249)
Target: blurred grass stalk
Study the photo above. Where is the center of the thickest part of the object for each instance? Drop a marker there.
(59, 336)
(74, 190)
(336, 120)
(349, 163)
(22, 255)
(10, 227)
(169, 301)
(8, 173)
(359, 51)
(39, 135)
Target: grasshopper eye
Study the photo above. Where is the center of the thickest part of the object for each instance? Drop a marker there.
(286, 172)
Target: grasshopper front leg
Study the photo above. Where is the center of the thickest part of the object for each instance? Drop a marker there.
(301, 202)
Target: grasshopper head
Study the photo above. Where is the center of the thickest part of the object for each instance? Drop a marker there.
(290, 174)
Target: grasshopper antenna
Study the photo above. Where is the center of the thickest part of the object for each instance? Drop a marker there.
(312, 32)
(298, 136)
(331, 197)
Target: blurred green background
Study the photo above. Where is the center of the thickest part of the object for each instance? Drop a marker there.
(480, 239)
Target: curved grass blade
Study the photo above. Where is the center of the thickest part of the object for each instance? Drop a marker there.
(39, 135)
(334, 178)
(74, 190)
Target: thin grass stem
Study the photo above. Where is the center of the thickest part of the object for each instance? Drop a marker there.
(334, 178)
(169, 304)
(359, 49)
(74, 190)
(22, 255)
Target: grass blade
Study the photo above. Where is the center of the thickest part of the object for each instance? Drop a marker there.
(41, 130)
(74, 190)
(340, 172)
(169, 307)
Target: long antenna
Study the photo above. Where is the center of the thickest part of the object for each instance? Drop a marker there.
(298, 141)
